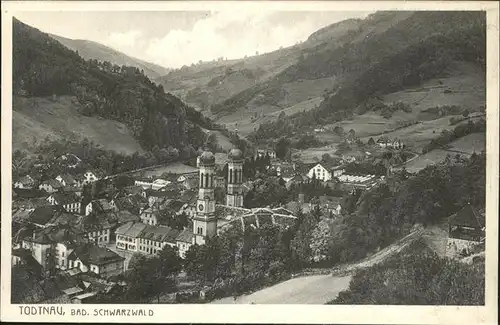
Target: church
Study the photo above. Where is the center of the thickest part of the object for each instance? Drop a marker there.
(211, 218)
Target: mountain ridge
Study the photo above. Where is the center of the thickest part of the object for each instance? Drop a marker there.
(93, 50)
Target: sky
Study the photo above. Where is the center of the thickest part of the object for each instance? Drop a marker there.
(173, 39)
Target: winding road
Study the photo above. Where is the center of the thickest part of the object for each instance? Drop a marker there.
(322, 288)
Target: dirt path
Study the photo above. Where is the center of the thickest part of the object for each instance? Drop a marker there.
(319, 289)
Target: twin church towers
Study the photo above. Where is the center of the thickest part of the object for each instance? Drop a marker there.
(205, 220)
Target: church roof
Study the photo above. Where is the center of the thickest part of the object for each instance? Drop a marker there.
(207, 158)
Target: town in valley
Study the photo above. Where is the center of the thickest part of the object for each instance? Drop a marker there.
(337, 170)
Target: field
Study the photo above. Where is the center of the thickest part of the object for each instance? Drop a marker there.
(174, 168)
(34, 119)
(475, 142)
(315, 289)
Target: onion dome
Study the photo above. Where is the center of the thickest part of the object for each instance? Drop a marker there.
(235, 154)
(207, 158)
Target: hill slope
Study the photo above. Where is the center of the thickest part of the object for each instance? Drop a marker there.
(96, 51)
(389, 52)
(34, 119)
(44, 67)
(208, 84)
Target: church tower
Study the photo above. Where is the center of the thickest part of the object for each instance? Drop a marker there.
(234, 196)
(205, 222)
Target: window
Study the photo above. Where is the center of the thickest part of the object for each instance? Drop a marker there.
(200, 231)
(62, 254)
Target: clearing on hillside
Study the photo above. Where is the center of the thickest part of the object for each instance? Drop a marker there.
(34, 119)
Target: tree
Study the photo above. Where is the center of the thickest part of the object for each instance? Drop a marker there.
(170, 262)
(282, 147)
(321, 240)
(371, 142)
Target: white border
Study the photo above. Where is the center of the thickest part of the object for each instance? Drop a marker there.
(306, 314)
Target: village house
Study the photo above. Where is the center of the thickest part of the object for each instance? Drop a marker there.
(132, 203)
(184, 241)
(466, 232)
(325, 171)
(152, 239)
(70, 160)
(158, 197)
(67, 180)
(150, 216)
(362, 182)
(50, 186)
(127, 236)
(159, 184)
(100, 206)
(384, 142)
(50, 215)
(68, 201)
(145, 183)
(51, 246)
(96, 259)
(89, 177)
(296, 180)
(97, 227)
(26, 182)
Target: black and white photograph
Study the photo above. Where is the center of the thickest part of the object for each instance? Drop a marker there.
(248, 157)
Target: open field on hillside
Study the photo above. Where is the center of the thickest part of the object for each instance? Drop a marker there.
(174, 168)
(475, 142)
(464, 87)
(34, 119)
(302, 90)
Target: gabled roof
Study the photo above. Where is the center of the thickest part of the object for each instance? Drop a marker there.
(130, 229)
(58, 234)
(44, 214)
(29, 193)
(65, 198)
(53, 183)
(162, 194)
(185, 236)
(93, 254)
(468, 217)
(26, 180)
(159, 234)
(67, 178)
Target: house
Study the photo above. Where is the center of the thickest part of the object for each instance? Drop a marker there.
(331, 204)
(398, 144)
(466, 231)
(100, 206)
(50, 186)
(67, 180)
(297, 180)
(145, 183)
(384, 142)
(189, 181)
(127, 236)
(287, 173)
(132, 203)
(97, 227)
(95, 259)
(150, 216)
(159, 183)
(159, 196)
(70, 160)
(131, 190)
(90, 177)
(70, 202)
(51, 246)
(26, 182)
(321, 172)
(51, 215)
(152, 239)
(184, 241)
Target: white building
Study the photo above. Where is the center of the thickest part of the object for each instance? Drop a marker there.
(69, 202)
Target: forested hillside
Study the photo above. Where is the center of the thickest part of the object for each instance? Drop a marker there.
(44, 67)
(93, 50)
(386, 53)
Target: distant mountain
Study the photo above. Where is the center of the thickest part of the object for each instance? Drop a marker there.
(44, 68)
(93, 50)
(340, 69)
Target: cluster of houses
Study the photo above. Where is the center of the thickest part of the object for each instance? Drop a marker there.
(61, 232)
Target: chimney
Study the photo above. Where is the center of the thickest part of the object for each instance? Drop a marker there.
(301, 198)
